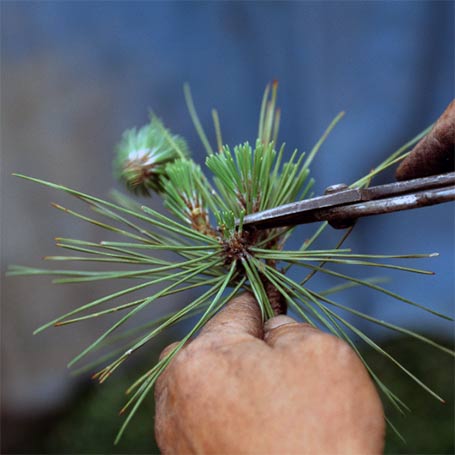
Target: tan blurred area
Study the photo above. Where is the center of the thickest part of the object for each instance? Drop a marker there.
(58, 125)
(52, 122)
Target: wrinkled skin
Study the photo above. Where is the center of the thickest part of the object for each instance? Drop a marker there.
(286, 388)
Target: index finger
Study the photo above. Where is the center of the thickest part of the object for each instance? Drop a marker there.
(241, 315)
(434, 154)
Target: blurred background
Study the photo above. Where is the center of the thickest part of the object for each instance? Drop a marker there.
(75, 75)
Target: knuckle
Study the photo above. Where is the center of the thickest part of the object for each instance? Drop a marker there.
(190, 364)
(289, 330)
(345, 356)
(331, 345)
(337, 344)
(168, 349)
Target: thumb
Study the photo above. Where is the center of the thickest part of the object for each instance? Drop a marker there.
(284, 331)
(241, 315)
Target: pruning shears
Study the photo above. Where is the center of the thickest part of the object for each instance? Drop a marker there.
(426, 177)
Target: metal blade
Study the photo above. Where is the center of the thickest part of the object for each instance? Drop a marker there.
(342, 205)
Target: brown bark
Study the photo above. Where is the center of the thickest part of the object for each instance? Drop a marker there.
(276, 300)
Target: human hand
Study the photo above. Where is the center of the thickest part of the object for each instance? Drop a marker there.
(435, 153)
(287, 388)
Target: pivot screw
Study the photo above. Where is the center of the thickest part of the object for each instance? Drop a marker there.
(339, 224)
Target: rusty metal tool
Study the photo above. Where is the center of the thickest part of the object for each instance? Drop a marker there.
(341, 206)
(418, 186)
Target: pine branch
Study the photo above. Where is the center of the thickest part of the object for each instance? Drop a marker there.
(205, 250)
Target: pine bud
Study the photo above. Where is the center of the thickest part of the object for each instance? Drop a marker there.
(142, 156)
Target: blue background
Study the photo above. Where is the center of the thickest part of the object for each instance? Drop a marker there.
(76, 74)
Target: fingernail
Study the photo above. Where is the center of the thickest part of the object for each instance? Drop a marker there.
(278, 321)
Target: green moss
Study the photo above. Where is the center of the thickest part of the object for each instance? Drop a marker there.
(428, 429)
(90, 426)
